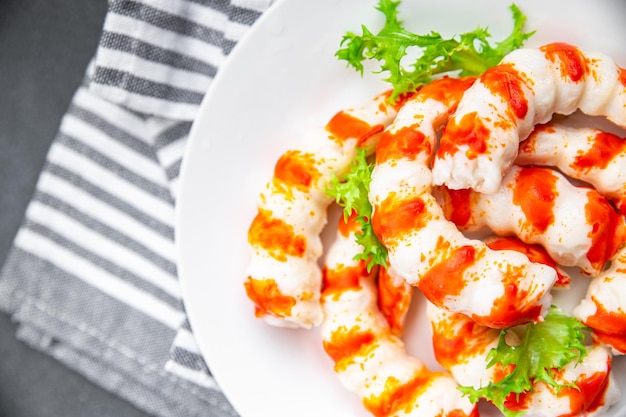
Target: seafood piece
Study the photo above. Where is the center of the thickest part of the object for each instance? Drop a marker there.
(283, 277)
(576, 225)
(496, 288)
(369, 359)
(461, 346)
(586, 154)
(604, 306)
(528, 87)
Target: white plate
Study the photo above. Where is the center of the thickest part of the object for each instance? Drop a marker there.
(278, 82)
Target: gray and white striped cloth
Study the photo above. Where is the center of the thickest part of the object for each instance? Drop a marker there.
(91, 278)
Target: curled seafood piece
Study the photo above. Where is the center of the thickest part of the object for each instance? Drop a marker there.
(527, 88)
(586, 154)
(576, 225)
(283, 277)
(496, 288)
(604, 306)
(461, 346)
(369, 359)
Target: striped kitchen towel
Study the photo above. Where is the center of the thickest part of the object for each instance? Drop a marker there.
(91, 278)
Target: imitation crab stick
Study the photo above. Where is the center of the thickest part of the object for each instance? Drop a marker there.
(581, 388)
(370, 360)
(496, 288)
(527, 88)
(576, 225)
(283, 276)
(583, 153)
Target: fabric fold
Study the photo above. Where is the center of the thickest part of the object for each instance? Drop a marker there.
(91, 278)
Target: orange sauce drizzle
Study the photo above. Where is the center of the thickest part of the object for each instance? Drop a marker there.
(275, 236)
(571, 60)
(608, 230)
(507, 310)
(605, 148)
(395, 219)
(459, 338)
(616, 340)
(470, 131)
(622, 76)
(535, 192)
(446, 278)
(588, 394)
(337, 280)
(535, 253)
(267, 298)
(345, 343)
(398, 396)
(393, 301)
(505, 81)
(406, 143)
(344, 126)
(607, 321)
(459, 207)
(295, 169)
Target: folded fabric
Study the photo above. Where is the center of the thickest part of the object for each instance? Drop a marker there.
(91, 278)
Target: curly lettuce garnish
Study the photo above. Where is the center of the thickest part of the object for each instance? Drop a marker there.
(351, 193)
(547, 346)
(468, 54)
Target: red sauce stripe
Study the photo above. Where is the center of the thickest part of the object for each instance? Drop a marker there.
(605, 148)
(458, 338)
(406, 143)
(345, 343)
(608, 230)
(337, 280)
(393, 301)
(297, 169)
(399, 396)
(267, 297)
(505, 81)
(458, 205)
(571, 61)
(447, 278)
(535, 253)
(535, 192)
(606, 321)
(393, 219)
(344, 126)
(469, 131)
(275, 236)
(515, 306)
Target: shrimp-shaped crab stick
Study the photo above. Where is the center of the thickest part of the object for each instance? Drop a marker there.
(576, 225)
(496, 288)
(586, 154)
(462, 346)
(527, 88)
(283, 276)
(370, 360)
(604, 307)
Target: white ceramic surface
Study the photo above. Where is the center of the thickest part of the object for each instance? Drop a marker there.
(280, 80)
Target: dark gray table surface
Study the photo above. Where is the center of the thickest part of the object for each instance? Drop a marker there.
(45, 46)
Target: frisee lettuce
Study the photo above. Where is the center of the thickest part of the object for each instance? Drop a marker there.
(351, 193)
(468, 54)
(547, 346)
